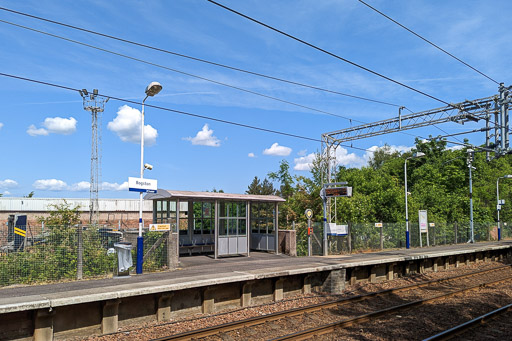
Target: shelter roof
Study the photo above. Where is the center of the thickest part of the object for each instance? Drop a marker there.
(171, 194)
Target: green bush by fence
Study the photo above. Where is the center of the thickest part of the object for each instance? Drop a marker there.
(55, 257)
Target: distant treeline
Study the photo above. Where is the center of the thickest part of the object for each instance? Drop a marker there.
(437, 182)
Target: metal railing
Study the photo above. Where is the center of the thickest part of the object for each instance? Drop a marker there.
(58, 253)
(367, 237)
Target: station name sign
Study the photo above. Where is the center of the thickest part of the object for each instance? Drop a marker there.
(142, 185)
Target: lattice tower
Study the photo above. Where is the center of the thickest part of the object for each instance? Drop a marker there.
(95, 104)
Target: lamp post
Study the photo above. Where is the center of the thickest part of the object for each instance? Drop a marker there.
(152, 89)
(470, 166)
(498, 206)
(407, 237)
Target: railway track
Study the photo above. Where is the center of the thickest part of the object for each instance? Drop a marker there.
(469, 325)
(370, 301)
(331, 327)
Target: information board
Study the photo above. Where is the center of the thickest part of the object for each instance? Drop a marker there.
(337, 230)
(338, 192)
(423, 221)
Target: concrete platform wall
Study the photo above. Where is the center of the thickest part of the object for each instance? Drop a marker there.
(107, 316)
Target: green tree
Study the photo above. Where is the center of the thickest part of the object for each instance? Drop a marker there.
(284, 178)
(62, 215)
(258, 187)
(381, 156)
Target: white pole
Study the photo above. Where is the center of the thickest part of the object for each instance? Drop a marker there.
(141, 164)
(140, 240)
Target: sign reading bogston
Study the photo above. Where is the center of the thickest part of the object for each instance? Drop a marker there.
(142, 185)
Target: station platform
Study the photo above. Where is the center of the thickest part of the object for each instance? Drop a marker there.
(206, 285)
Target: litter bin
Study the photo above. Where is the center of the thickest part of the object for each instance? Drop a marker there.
(124, 256)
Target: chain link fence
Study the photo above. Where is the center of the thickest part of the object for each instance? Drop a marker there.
(364, 237)
(44, 254)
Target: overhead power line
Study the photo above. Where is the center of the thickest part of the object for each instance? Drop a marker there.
(173, 110)
(328, 52)
(193, 58)
(181, 72)
(191, 75)
(198, 59)
(180, 112)
(428, 41)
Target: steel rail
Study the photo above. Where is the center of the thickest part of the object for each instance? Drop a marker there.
(331, 327)
(461, 328)
(230, 326)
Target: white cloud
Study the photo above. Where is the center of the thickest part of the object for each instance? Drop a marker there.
(54, 125)
(8, 183)
(127, 126)
(369, 154)
(81, 186)
(108, 186)
(302, 152)
(50, 185)
(7, 193)
(304, 163)
(251, 155)
(204, 137)
(1, 125)
(344, 158)
(456, 147)
(33, 131)
(277, 150)
(59, 125)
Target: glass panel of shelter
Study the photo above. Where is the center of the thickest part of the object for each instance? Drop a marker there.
(165, 212)
(204, 218)
(262, 218)
(232, 219)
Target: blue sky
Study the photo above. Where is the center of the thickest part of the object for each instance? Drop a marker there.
(45, 133)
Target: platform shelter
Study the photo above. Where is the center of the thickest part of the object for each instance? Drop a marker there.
(227, 224)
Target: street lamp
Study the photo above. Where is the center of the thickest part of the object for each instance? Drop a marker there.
(407, 238)
(152, 89)
(498, 206)
(469, 160)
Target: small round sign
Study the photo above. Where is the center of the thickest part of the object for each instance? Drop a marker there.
(309, 213)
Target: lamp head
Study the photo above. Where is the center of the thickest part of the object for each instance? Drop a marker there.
(508, 176)
(153, 88)
(418, 154)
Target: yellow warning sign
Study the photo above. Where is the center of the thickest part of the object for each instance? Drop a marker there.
(159, 227)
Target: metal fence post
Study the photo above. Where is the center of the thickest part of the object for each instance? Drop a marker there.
(381, 235)
(349, 237)
(455, 229)
(79, 266)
